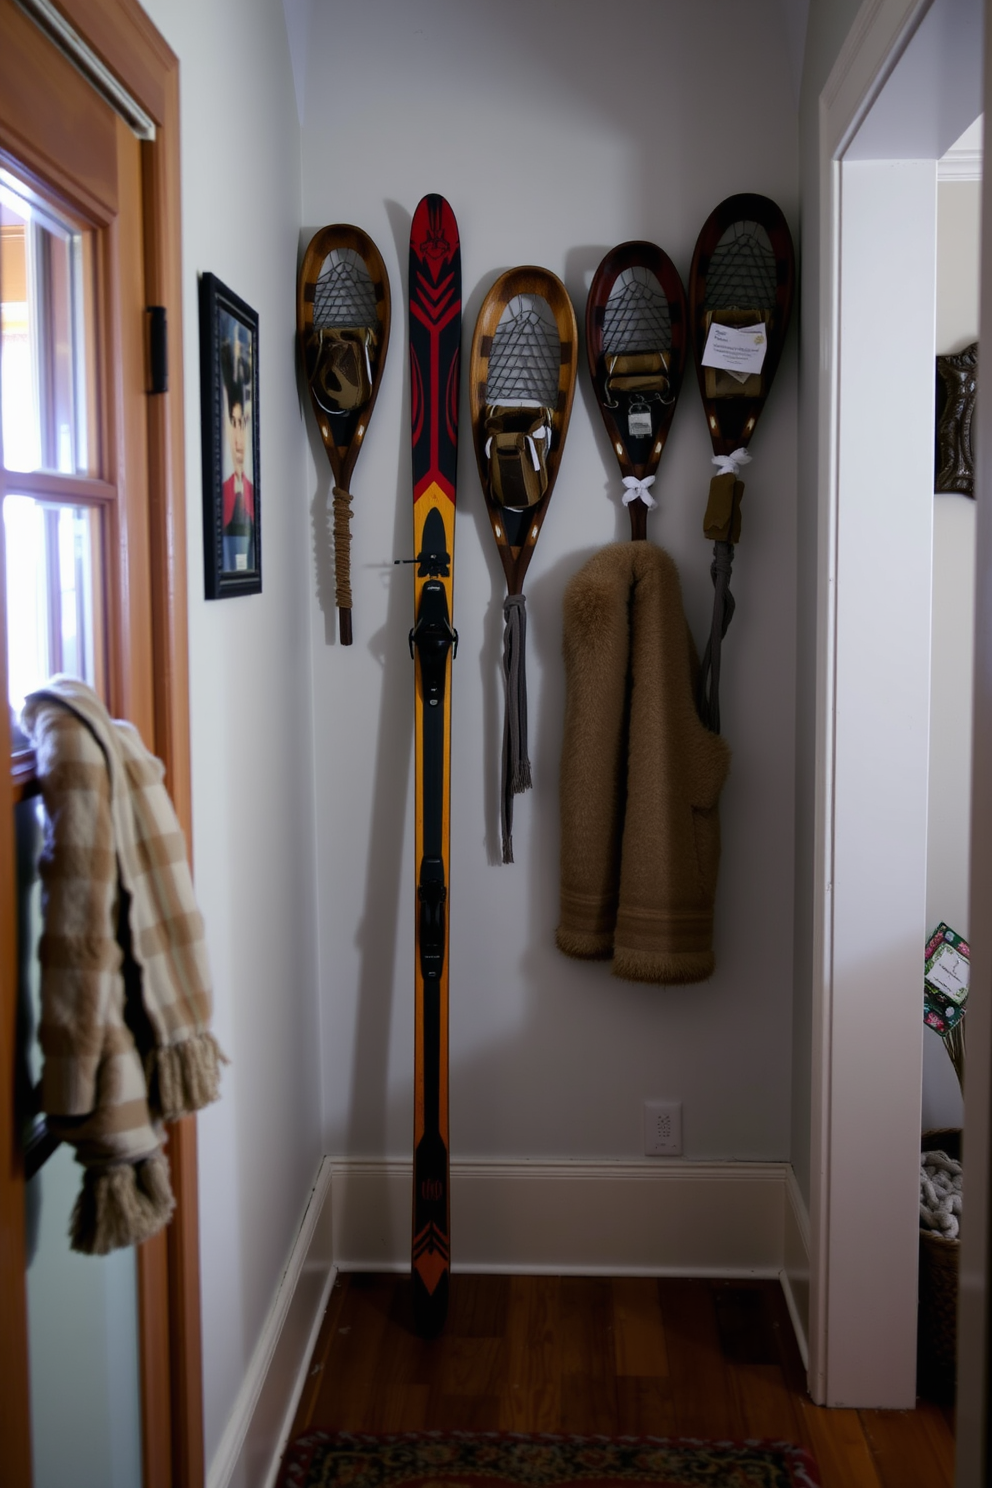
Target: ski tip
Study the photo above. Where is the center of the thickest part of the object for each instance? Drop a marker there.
(433, 201)
(434, 232)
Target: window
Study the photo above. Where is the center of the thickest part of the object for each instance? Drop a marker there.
(50, 429)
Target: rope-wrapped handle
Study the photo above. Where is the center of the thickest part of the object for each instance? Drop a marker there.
(724, 604)
(342, 560)
(722, 523)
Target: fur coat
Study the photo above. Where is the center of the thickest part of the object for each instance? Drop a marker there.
(640, 774)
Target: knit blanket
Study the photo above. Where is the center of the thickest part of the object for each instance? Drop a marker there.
(640, 774)
(125, 985)
(940, 1194)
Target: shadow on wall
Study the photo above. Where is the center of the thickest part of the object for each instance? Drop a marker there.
(376, 936)
(507, 1084)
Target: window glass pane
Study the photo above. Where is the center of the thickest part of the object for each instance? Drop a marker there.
(82, 1310)
(47, 369)
(52, 578)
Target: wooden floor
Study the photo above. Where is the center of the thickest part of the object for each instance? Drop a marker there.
(588, 1355)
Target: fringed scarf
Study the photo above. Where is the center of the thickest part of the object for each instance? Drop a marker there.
(125, 985)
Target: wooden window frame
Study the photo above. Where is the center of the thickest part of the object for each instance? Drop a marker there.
(168, 1266)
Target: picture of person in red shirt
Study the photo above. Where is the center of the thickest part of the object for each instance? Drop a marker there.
(238, 492)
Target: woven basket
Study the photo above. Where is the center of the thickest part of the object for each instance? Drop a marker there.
(936, 1355)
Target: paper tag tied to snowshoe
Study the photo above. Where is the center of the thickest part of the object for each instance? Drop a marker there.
(517, 441)
(721, 382)
(340, 366)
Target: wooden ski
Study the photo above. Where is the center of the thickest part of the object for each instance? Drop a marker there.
(435, 344)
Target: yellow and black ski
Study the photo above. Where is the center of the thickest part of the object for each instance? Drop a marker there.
(435, 343)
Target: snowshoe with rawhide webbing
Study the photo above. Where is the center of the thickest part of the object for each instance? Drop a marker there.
(742, 278)
(521, 384)
(342, 321)
(636, 344)
(435, 344)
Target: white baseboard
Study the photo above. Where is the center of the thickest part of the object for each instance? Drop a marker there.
(661, 1218)
(665, 1218)
(255, 1436)
(795, 1262)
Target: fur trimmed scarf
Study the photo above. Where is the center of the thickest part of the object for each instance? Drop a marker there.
(640, 774)
(125, 986)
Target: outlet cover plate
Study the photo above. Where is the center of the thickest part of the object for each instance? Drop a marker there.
(662, 1128)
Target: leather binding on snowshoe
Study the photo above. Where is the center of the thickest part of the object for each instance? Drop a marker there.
(636, 344)
(517, 443)
(342, 324)
(339, 361)
(637, 372)
(743, 273)
(521, 385)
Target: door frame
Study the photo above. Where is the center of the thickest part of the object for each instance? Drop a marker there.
(870, 806)
(125, 40)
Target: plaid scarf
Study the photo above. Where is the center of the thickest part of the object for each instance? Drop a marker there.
(125, 985)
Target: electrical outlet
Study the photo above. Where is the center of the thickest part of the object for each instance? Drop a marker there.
(663, 1128)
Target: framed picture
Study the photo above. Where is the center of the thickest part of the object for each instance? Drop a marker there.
(232, 509)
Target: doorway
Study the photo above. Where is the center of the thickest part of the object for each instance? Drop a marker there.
(906, 84)
(91, 230)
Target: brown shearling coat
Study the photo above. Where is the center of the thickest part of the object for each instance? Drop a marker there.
(640, 774)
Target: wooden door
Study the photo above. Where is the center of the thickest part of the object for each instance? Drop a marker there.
(71, 156)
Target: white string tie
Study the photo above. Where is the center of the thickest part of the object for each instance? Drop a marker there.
(731, 464)
(638, 490)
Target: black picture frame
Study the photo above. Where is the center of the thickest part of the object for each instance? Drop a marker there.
(232, 503)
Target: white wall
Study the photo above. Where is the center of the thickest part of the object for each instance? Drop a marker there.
(952, 640)
(551, 148)
(249, 689)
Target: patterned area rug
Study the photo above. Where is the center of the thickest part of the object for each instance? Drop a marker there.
(461, 1460)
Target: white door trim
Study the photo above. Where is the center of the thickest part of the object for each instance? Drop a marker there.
(972, 1421)
(865, 1082)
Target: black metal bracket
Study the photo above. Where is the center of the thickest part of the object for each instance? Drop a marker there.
(432, 635)
(432, 565)
(432, 895)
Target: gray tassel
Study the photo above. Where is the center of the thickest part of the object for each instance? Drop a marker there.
(516, 764)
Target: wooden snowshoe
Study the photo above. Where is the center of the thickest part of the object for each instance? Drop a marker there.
(521, 382)
(743, 274)
(636, 345)
(342, 320)
(742, 277)
(521, 385)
